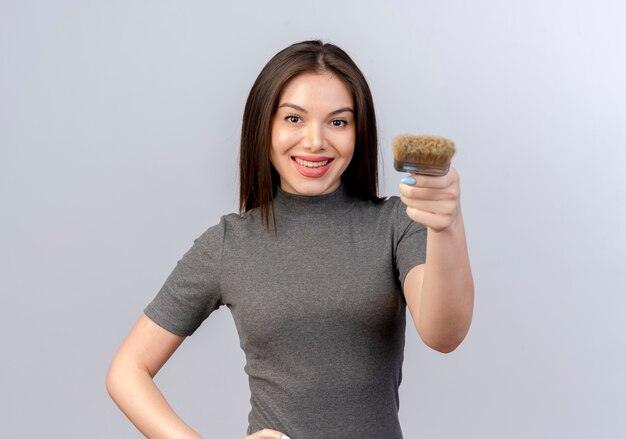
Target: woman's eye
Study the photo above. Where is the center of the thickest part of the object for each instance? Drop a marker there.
(339, 123)
(292, 119)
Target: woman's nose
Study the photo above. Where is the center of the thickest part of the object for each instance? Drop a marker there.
(314, 137)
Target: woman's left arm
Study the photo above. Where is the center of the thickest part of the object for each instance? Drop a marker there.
(440, 293)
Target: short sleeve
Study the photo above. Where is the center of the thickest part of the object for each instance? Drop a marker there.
(192, 291)
(410, 242)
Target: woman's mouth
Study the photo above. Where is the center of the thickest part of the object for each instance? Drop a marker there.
(312, 167)
(310, 164)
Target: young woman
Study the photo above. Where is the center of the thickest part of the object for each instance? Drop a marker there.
(317, 270)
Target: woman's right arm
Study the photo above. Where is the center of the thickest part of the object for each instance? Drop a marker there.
(129, 381)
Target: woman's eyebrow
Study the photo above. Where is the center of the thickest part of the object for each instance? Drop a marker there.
(341, 110)
(299, 108)
(294, 106)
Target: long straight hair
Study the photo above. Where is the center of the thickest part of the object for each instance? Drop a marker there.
(257, 177)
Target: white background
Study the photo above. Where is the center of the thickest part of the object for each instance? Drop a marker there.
(119, 130)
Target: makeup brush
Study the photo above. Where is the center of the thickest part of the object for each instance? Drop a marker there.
(425, 155)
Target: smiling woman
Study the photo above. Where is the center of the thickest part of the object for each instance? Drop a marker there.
(269, 99)
(319, 293)
(313, 134)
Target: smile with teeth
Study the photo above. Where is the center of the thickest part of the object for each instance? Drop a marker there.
(309, 164)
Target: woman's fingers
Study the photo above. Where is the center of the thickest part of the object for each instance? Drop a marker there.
(432, 201)
(445, 207)
(436, 222)
(420, 193)
(431, 181)
(267, 433)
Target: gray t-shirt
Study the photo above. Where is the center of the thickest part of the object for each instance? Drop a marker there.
(318, 307)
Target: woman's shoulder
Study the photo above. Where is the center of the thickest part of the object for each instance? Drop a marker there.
(230, 227)
(236, 220)
(241, 224)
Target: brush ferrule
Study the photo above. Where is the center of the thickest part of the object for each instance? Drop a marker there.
(421, 168)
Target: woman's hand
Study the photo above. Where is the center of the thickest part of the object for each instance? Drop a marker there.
(266, 433)
(432, 201)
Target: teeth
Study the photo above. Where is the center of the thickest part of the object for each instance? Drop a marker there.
(309, 164)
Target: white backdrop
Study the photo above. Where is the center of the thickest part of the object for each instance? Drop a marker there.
(119, 129)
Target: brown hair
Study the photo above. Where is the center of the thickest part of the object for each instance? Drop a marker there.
(257, 177)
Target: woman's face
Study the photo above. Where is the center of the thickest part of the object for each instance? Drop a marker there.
(313, 134)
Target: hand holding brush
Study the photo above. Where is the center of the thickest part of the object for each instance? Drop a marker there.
(431, 193)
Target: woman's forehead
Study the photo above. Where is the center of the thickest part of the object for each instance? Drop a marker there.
(316, 89)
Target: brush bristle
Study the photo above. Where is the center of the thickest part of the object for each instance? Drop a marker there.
(431, 150)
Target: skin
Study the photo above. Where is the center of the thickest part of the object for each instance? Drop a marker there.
(315, 121)
(440, 293)
(130, 381)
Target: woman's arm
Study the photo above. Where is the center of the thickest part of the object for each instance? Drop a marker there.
(440, 293)
(129, 381)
